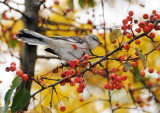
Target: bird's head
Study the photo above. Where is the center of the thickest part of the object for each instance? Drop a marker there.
(93, 41)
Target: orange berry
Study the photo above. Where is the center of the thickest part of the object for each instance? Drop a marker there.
(150, 70)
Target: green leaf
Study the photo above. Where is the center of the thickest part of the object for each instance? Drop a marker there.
(71, 5)
(81, 3)
(92, 3)
(20, 100)
(115, 34)
(16, 82)
(136, 74)
(127, 66)
(7, 99)
(141, 57)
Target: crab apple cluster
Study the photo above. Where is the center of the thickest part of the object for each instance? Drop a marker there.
(19, 73)
(115, 81)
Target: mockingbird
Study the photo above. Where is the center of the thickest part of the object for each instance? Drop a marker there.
(61, 45)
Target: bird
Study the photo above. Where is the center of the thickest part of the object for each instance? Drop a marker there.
(66, 47)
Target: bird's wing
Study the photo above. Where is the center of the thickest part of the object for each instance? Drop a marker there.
(74, 39)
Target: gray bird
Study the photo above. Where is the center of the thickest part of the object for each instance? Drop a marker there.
(61, 45)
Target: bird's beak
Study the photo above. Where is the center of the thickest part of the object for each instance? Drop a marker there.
(100, 43)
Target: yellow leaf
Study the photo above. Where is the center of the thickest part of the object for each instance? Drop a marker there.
(125, 85)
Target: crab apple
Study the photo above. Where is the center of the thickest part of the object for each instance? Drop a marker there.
(82, 85)
(136, 53)
(154, 12)
(123, 77)
(113, 82)
(78, 73)
(106, 86)
(86, 57)
(84, 63)
(89, 22)
(142, 73)
(150, 26)
(71, 63)
(123, 69)
(129, 18)
(67, 72)
(150, 70)
(81, 80)
(95, 71)
(113, 76)
(67, 79)
(74, 46)
(135, 21)
(24, 77)
(76, 79)
(12, 68)
(124, 21)
(118, 86)
(138, 30)
(141, 24)
(126, 46)
(113, 42)
(19, 73)
(113, 70)
(63, 75)
(76, 62)
(79, 90)
(62, 83)
(101, 73)
(119, 79)
(73, 72)
(111, 87)
(124, 27)
(81, 99)
(62, 108)
(133, 64)
(55, 70)
(146, 29)
(145, 16)
(67, 10)
(152, 35)
(121, 58)
(129, 36)
(72, 83)
(137, 41)
(7, 69)
(130, 13)
(13, 63)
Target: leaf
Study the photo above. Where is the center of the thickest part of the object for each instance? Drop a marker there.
(45, 110)
(16, 82)
(141, 57)
(20, 100)
(92, 3)
(115, 34)
(71, 5)
(127, 66)
(125, 85)
(7, 99)
(136, 74)
(81, 3)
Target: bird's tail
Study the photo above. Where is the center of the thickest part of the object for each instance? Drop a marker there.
(31, 37)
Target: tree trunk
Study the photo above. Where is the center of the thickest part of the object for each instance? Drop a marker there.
(28, 54)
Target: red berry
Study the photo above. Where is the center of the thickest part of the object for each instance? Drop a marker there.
(154, 12)
(150, 26)
(138, 30)
(142, 73)
(146, 29)
(141, 24)
(129, 18)
(63, 83)
(118, 86)
(73, 72)
(67, 10)
(63, 75)
(121, 58)
(79, 90)
(12, 68)
(130, 13)
(137, 41)
(135, 21)
(124, 21)
(13, 63)
(123, 77)
(106, 86)
(67, 79)
(76, 79)
(136, 53)
(89, 22)
(119, 79)
(113, 70)
(76, 62)
(19, 73)
(150, 70)
(74, 46)
(133, 64)
(84, 63)
(72, 83)
(55, 70)
(7, 69)
(124, 27)
(81, 99)
(113, 76)
(95, 71)
(126, 46)
(113, 42)
(145, 16)
(101, 73)
(123, 69)
(24, 77)
(71, 63)
(62, 108)
(111, 87)
(82, 85)
(152, 35)
(86, 57)
(67, 72)
(129, 36)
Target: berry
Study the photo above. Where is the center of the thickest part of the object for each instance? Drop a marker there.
(129, 36)
(145, 16)
(154, 12)
(136, 53)
(137, 41)
(152, 35)
(150, 70)
(129, 18)
(126, 46)
(95, 71)
(24, 77)
(63, 75)
(84, 63)
(79, 90)
(135, 21)
(130, 13)
(89, 22)
(150, 26)
(13, 63)
(124, 27)
(113, 76)
(86, 57)
(76, 79)
(146, 29)
(63, 83)
(67, 79)
(124, 21)
(81, 99)
(74, 46)
(82, 85)
(123, 69)
(138, 30)
(121, 58)
(123, 77)
(73, 72)
(141, 24)
(133, 64)
(62, 108)
(7, 69)
(106, 86)
(111, 87)
(71, 63)
(55, 70)
(76, 62)
(101, 73)
(72, 83)
(118, 86)
(142, 73)
(113, 42)
(12, 68)
(67, 72)
(19, 73)
(67, 10)
(113, 70)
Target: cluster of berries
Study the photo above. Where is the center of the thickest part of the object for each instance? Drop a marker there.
(19, 73)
